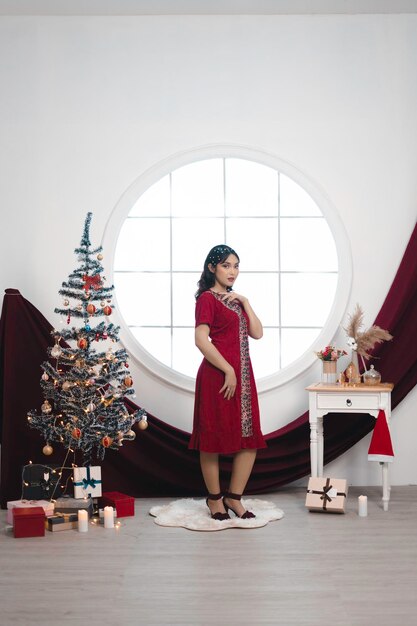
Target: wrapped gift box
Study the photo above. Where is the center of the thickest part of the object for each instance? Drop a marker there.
(61, 521)
(327, 495)
(66, 504)
(47, 506)
(28, 522)
(124, 505)
(87, 481)
(40, 482)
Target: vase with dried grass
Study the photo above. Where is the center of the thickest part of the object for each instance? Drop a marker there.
(361, 342)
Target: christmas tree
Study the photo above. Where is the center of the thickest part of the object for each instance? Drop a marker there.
(84, 387)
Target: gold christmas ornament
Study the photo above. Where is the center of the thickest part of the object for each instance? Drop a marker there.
(47, 450)
(45, 376)
(128, 381)
(46, 407)
(143, 424)
(56, 351)
(91, 308)
(107, 310)
(100, 257)
(66, 386)
(66, 302)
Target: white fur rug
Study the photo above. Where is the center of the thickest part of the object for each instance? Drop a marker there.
(194, 515)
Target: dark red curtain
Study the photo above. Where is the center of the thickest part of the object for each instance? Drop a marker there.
(158, 462)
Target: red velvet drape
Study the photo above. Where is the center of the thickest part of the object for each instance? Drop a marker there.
(158, 462)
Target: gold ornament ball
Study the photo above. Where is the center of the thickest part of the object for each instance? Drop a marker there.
(143, 424)
(46, 407)
(131, 434)
(47, 450)
(128, 381)
(100, 257)
(66, 385)
(107, 310)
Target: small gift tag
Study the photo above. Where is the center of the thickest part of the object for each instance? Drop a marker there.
(332, 493)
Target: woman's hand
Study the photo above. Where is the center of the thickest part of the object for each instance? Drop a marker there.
(232, 295)
(230, 383)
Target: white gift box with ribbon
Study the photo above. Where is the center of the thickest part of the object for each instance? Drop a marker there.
(87, 481)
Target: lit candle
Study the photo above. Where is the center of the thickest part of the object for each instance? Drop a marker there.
(362, 506)
(108, 517)
(82, 521)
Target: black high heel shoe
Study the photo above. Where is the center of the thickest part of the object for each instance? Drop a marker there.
(237, 496)
(220, 517)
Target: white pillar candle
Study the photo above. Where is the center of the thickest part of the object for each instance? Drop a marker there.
(108, 517)
(362, 506)
(82, 521)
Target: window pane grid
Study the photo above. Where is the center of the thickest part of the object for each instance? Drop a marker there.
(273, 233)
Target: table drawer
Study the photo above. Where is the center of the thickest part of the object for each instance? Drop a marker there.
(354, 401)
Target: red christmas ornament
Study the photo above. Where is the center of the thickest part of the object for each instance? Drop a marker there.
(127, 365)
(107, 310)
(82, 343)
(128, 381)
(106, 441)
(104, 335)
(76, 433)
(91, 308)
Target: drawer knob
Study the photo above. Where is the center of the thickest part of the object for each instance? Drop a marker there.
(349, 402)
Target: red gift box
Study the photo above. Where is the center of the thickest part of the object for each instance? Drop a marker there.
(124, 505)
(29, 522)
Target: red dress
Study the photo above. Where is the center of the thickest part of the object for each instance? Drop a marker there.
(220, 425)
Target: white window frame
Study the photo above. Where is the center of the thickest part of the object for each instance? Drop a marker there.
(161, 169)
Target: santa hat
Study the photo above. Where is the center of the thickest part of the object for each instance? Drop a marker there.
(380, 448)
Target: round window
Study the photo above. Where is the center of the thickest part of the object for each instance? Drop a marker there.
(283, 230)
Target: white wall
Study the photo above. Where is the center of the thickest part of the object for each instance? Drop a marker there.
(90, 103)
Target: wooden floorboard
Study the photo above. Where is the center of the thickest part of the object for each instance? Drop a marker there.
(307, 569)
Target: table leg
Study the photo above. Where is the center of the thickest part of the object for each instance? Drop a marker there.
(385, 486)
(320, 446)
(313, 446)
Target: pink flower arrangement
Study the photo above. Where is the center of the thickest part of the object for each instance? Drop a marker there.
(330, 353)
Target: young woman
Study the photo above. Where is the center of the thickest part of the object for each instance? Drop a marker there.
(226, 412)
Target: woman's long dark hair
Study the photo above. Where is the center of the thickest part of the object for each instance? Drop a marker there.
(218, 254)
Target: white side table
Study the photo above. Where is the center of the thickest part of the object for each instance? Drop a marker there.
(325, 398)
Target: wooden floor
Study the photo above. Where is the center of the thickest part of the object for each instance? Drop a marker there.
(307, 569)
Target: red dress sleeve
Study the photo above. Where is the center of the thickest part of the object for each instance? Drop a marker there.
(205, 309)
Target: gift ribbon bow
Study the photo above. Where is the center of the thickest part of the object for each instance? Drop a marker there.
(89, 481)
(92, 282)
(324, 495)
